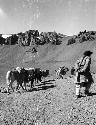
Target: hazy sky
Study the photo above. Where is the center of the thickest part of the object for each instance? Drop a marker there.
(64, 16)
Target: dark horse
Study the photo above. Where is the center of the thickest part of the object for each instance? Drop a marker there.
(45, 73)
(40, 73)
(27, 75)
(30, 75)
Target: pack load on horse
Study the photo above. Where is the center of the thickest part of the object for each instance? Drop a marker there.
(61, 72)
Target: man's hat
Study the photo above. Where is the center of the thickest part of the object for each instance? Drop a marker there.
(87, 53)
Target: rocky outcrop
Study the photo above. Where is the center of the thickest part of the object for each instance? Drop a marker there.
(82, 37)
(32, 38)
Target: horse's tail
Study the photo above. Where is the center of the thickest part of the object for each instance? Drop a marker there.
(8, 78)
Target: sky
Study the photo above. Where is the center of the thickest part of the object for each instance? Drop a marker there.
(63, 16)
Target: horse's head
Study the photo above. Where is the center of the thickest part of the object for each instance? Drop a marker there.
(23, 70)
(18, 69)
(45, 73)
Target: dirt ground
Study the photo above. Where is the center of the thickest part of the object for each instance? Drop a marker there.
(52, 103)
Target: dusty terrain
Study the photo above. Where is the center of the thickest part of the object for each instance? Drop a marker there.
(53, 103)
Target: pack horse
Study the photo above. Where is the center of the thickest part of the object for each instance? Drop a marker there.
(12, 76)
(24, 75)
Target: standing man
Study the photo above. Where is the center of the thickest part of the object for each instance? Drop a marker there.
(82, 68)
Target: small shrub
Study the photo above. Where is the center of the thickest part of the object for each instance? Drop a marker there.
(92, 33)
(71, 41)
(82, 39)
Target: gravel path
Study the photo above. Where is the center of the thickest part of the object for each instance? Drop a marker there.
(52, 104)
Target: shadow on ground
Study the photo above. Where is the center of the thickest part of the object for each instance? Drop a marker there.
(43, 86)
(91, 94)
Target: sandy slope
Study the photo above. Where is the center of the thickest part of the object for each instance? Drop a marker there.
(53, 104)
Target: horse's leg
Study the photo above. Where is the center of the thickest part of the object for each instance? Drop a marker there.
(8, 88)
(11, 85)
(32, 82)
(35, 80)
(8, 85)
(22, 85)
(62, 76)
(44, 80)
(8, 80)
(40, 80)
(17, 86)
(25, 85)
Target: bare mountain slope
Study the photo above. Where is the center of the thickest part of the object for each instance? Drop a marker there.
(48, 56)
